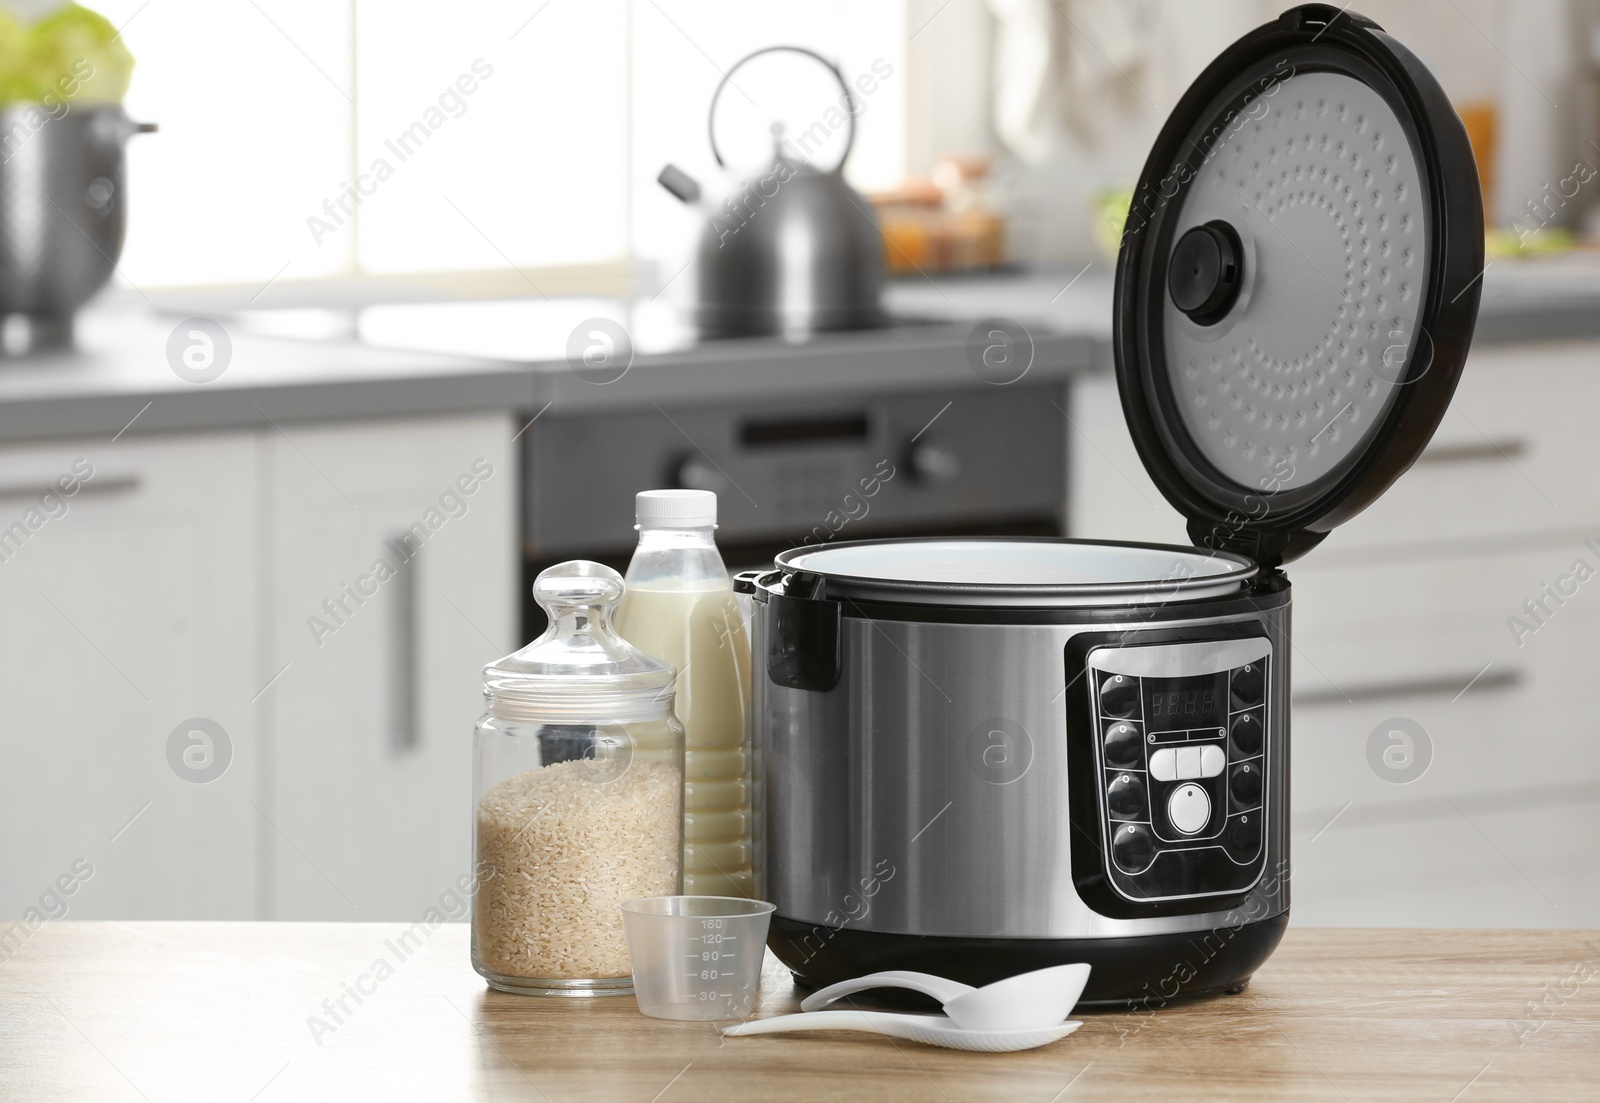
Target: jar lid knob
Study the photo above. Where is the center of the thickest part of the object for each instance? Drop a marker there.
(577, 584)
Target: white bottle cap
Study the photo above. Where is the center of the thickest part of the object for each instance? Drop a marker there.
(675, 509)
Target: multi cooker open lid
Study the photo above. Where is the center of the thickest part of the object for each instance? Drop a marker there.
(1298, 282)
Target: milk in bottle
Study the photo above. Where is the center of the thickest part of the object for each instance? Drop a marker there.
(680, 607)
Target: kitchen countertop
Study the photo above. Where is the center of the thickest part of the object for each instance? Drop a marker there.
(118, 381)
(214, 1011)
(431, 358)
(1550, 298)
(394, 361)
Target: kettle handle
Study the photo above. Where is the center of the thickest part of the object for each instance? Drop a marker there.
(849, 99)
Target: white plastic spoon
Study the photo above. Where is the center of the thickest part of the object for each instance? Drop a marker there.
(1026, 1001)
(933, 1030)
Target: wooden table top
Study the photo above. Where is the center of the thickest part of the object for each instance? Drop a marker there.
(220, 1011)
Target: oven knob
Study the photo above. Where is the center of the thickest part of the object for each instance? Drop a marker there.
(1132, 848)
(1245, 784)
(1119, 696)
(1246, 731)
(1248, 682)
(1189, 808)
(697, 473)
(932, 465)
(1124, 745)
(1125, 798)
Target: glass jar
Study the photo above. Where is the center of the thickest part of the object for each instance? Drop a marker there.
(577, 795)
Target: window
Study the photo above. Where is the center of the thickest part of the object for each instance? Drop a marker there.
(316, 140)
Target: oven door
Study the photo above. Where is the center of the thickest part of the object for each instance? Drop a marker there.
(788, 473)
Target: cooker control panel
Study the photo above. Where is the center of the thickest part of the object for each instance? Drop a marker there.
(1182, 756)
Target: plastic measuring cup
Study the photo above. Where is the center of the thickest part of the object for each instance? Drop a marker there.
(696, 957)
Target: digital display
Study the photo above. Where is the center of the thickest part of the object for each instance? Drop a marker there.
(1196, 702)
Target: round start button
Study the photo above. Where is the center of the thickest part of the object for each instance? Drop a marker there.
(1189, 808)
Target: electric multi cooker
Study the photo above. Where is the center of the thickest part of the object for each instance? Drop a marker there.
(982, 756)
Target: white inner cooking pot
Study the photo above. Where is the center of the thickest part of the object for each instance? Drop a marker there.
(1020, 572)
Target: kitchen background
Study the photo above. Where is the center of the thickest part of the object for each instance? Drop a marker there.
(390, 222)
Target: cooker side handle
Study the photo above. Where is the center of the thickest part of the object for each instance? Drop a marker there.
(803, 650)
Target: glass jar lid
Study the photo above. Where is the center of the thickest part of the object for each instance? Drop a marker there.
(579, 667)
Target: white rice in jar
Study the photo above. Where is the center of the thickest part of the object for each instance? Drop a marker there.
(559, 848)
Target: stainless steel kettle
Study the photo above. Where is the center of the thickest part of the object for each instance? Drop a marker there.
(792, 251)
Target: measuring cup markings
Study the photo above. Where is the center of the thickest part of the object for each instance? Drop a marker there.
(716, 977)
(714, 938)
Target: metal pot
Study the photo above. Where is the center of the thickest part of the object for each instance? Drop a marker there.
(62, 217)
(792, 251)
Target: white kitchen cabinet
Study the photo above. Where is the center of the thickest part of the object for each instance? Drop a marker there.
(1514, 454)
(1109, 495)
(174, 586)
(129, 609)
(1488, 863)
(1511, 795)
(1394, 615)
(378, 669)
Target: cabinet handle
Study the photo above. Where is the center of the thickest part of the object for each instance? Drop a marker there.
(1449, 685)
(106, 484)
(1474, 453)
(403, 688)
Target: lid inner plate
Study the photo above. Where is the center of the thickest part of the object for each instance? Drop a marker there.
(1321, 185)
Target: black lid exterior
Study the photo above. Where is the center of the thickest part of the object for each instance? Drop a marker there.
(1307, 113)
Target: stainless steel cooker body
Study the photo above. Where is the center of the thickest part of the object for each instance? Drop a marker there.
(949, 802)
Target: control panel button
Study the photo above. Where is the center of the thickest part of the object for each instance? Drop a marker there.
(1212, 760)
(1126, 798)
(1124, 745)
(1189, 808)
(1119, 696)
(1164, 764)
(1133, 847)
(1249, 683)
(1244, 835)
(1188, 763)
(1245, 784)
(1246, 733)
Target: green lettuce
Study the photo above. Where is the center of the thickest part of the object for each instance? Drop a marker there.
(17, 82)
(70, 54)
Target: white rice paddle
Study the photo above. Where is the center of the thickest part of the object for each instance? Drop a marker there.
(933, 1030)
(1020, 1012)
(1041, 998)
